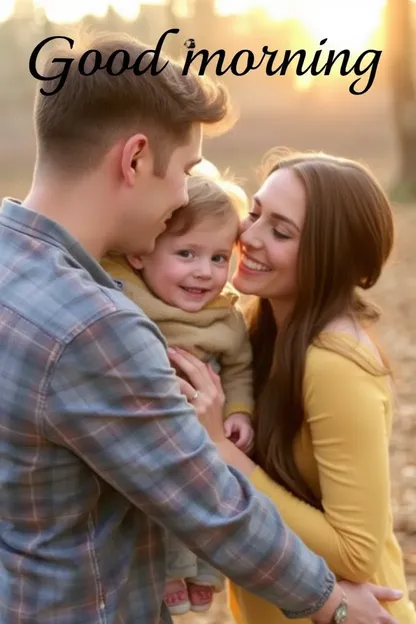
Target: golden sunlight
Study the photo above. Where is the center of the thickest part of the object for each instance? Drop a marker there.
(349, 24)
(6, 9)
(62, 11)
(345, 23)
(303, 83)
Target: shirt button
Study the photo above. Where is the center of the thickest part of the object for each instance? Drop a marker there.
(102, 605)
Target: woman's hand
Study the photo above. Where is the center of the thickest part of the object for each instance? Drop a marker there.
(205, 393)
(203, 390)
(363, 604)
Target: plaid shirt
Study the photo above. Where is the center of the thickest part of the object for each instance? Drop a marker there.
(100, 453)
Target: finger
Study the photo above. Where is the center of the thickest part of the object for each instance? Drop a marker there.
(195, 370)
(186, 389)
(245, 444)
(240, 444)
(385, 593)
(244, 436)
(228, 428)
(189, 357)
(216, 380)
(250, 442)
(214, 376)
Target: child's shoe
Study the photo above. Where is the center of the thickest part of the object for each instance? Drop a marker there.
(200, 597)
(176, 597)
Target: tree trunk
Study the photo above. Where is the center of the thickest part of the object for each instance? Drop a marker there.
(401, 53)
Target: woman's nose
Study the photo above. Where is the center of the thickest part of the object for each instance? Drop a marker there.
(250, 236)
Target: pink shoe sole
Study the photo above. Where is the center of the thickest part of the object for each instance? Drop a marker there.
(177, 601)
(200, 597)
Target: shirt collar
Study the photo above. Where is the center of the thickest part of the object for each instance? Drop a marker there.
(19, 218)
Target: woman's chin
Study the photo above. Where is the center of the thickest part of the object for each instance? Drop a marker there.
(242, 284)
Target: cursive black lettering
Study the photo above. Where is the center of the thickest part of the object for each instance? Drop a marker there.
(125, 62)
(333, 58)
(242, 62)
(249, 62)
(206, 59)
(65, 71)
(288, 58)
(153, 64)
(96, 64)
(269, 66)
(313, 66)
(358, 71)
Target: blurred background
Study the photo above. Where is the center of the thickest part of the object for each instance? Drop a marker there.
(300, 112)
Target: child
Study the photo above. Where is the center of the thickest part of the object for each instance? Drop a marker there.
(182, 286)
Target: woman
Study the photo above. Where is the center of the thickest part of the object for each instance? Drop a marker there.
(320, 230)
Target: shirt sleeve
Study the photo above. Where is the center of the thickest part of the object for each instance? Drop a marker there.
(236, 369)
(346, 415)
(114, 401)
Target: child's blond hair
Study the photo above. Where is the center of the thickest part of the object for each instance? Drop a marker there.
(208, 197)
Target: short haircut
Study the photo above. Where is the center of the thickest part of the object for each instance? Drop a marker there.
(81, 121)
(208, 198)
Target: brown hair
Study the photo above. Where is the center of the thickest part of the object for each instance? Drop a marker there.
(77, 124)
(346, 239)
(208, 197)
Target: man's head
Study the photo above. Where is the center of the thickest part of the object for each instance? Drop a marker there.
(133, 137)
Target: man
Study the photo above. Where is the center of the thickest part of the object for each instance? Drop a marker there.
(100, 451)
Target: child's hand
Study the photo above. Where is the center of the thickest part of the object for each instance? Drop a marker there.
(238, 429)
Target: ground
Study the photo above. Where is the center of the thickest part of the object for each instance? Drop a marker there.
(396, 294)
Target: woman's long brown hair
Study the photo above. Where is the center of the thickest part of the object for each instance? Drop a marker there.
(346, 238)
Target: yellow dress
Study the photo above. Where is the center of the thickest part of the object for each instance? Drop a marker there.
(342, 451)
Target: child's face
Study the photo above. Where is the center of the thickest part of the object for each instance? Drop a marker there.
(190, 270)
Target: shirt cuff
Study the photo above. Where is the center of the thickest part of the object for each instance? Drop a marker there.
(241, 408)
(259, 479)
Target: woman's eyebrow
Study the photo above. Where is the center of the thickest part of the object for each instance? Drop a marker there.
(277, 216)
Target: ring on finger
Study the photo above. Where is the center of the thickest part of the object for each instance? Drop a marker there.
(195, 396)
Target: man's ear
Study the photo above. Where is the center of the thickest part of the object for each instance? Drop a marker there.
(135, 156)
(135, 261)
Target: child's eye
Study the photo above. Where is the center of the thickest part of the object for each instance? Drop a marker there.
(185, 253)
(219, 258)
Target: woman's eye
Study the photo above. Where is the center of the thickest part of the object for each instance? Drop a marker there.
(253, 216)
(280, 235)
